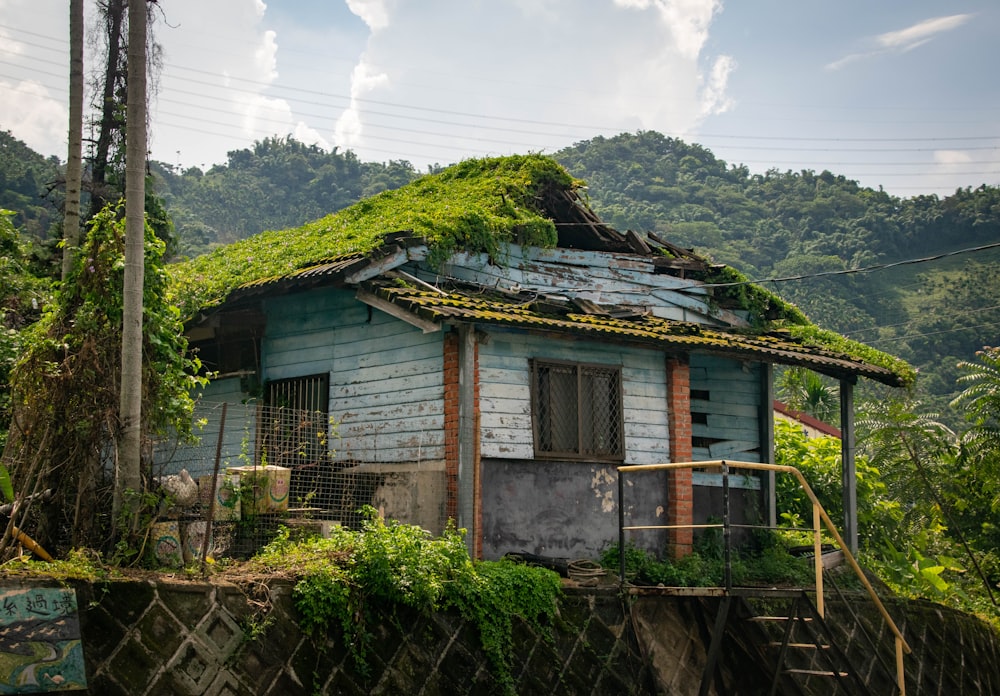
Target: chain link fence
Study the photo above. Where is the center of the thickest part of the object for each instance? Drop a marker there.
(254, 469)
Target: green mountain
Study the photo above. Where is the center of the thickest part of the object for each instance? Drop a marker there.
(278, 184)
(824, 231)
(29, 187)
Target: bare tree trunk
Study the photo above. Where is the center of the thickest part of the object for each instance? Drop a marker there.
(74, 164)
(113, 14)
(128, 465)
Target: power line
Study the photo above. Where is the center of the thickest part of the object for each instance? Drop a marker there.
(846, 271)
(586, 127)
(915, 321)
(930, 333)
(487, 122)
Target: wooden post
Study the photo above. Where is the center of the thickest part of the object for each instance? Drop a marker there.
(818, 558)
(849, 472)
(467, 434)
(766, 416)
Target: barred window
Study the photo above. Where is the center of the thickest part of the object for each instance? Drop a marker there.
(294, 420)
(577, 411)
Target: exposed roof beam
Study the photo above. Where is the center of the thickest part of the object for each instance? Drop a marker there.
(396, 311)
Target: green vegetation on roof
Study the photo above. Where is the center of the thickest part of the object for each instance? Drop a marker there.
(812, 335)
(764, 306)
(479, 205)
(768, 311)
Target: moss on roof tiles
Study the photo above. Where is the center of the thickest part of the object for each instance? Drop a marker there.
(806, 341)
(477, 205)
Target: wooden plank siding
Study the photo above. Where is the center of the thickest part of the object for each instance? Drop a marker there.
(617, 279)
(725, 408)
(505, 393)
(386, 377)
(238, 435)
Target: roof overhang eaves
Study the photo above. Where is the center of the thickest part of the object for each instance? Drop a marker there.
(649, 332)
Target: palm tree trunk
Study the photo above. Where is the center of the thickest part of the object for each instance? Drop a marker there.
(128, 478)
(74, 164)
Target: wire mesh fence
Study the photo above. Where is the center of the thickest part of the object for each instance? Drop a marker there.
(253, 469)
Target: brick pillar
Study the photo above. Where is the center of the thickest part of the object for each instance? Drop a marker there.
(451, 423)
(478, 543)
(452, 430)
(680, 495)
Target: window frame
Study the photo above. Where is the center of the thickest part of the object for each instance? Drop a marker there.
(616, 411)
(295, 448)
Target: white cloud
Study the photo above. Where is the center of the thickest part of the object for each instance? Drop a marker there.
(688, 21)
(714, 98)
(221, 60)
(921, 32)
(904, 40)
(266, 57)
(10, 47)
(429, 81)
(375, 13)
(432, 86)
(364, 79)
(952, 157)
(34, 116)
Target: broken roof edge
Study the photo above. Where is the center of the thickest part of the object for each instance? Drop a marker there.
(769, 312)
(510, 313)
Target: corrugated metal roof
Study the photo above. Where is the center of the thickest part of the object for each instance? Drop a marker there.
(326, 271)
(499, 310)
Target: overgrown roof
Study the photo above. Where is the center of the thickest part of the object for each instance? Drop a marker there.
(477, 205)
(481, 206)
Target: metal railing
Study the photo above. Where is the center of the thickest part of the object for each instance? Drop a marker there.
(819, 516)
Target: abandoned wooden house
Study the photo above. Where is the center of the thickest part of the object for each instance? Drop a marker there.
(479, 346)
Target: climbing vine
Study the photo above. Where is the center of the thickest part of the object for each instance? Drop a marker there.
(342, 579)
(65, 388)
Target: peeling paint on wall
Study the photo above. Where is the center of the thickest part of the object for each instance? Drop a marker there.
(603, 484)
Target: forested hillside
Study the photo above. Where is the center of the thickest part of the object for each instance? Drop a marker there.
(830, 235)
(278, 184)
(819, 227)
(28, 187)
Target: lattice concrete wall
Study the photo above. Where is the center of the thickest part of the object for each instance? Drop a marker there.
(182, 638)
(143, 639)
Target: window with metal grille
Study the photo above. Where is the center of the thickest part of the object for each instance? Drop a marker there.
(577, 411)
(294, 420)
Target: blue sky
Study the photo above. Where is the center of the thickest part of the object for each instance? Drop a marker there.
(892, 93)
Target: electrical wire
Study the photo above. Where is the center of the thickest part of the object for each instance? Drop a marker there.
(851, 334)
(484, 123)
(845, 271)
(907, 337)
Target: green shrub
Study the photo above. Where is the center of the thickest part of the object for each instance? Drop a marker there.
(388, 564)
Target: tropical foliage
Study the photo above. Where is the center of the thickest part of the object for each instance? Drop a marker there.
(341, 582)
(27, 188)
(63, 385)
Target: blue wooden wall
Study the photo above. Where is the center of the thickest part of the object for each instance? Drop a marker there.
(505, 392)
(386, 381)
(726, 416)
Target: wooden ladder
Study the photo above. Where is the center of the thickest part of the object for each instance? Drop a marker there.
(807, 649)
